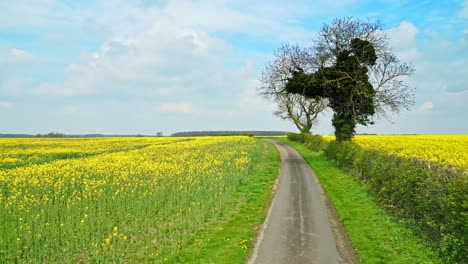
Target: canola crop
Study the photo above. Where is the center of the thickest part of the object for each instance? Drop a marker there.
(442, 149)
(118, 199)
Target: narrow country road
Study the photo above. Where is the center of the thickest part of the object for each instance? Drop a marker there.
(297, 228)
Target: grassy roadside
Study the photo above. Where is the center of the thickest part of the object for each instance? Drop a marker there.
(230, 239)
(376, 237)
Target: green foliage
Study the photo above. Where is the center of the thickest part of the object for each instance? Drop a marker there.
(344, 125)
(295, 137)
(431, 198)
(345, 153)
(345, 84)
(364, 162)
(313, 142)
(331, 149)
(342, 152)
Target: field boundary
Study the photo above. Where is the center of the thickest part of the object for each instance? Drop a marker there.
(259, 236)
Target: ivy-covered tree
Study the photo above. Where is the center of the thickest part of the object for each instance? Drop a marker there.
(351, 64)
(387, 75)
(346, 86)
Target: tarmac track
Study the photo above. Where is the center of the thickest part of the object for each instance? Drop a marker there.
(297, 228)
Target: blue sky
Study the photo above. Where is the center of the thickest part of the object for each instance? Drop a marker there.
(122, 66)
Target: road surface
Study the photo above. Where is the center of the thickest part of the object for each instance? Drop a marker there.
(297, 228)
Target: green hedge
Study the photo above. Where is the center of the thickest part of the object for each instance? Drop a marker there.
(313, 142)
(430, 197)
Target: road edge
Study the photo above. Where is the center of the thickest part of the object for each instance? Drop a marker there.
(345, 249)
(259, 236)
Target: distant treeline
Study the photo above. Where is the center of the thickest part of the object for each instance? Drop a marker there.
(61, 135)
(15, 136)
(159, 134)
(228, 133)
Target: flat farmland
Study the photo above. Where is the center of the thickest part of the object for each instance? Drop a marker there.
(122, 199)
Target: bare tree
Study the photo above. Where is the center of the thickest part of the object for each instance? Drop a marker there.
(388, 74)
(303, 112)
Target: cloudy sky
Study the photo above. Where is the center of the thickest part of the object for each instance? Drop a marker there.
(142, 66)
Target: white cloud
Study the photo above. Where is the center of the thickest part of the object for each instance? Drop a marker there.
(6, 105)
(175, 107)
(16, 55)
(403, 36)
(164, 56)
(273, 20)
(403, 40)
(426, 106)
(169, 65)
(162, 47)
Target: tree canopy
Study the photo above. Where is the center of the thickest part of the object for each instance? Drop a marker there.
(387, 75)
(350, 67)
(346, 86)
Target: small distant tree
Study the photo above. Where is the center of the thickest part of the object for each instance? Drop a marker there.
(159, 134)
(300, 110)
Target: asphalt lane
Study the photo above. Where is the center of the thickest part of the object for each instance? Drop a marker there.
(297, 229)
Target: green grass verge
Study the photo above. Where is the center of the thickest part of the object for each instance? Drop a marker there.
(376, 237)
(230, 239)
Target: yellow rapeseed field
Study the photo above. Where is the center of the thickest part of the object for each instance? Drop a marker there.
(99, 200)
(443, 149)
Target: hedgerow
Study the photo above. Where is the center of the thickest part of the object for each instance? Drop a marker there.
(313, 142)
(430, 197)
